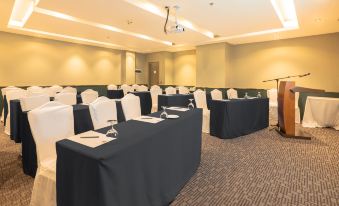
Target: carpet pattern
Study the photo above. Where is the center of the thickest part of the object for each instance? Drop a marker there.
(257, 169)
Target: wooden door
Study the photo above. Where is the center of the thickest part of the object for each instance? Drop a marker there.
(153, 71)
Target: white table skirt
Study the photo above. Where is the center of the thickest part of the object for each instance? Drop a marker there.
(321, 112)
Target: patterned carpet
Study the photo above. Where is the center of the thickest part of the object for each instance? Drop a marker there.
(257, 169)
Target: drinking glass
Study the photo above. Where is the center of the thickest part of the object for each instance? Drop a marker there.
(246, 96)
(163, 114)
(259, 95)
(112, 132)
(191, 105)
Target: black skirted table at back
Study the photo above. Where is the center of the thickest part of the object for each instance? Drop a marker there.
(115, 94)
(148, 164)
(179, 100)
(234, 118)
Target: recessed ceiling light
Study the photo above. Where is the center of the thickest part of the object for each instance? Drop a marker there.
(211, 3)
(318, 20)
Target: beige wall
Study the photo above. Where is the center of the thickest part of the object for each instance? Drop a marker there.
(165, 60)
(184, 68)
(130, 68)
(319, 55)
(34, 61)
(141, 64)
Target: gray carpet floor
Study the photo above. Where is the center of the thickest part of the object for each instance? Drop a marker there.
(257, 169)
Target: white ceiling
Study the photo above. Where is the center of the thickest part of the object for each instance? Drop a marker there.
(234, 21)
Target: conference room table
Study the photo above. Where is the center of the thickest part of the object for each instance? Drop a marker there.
(321, 112)
(21, 132)
(238, 117)
(115, 94)
(145, 101)
(148, 164)
(169, 100)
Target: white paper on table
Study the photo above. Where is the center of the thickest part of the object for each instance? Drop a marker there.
(91, 142)
(180, 109)
(148, 119)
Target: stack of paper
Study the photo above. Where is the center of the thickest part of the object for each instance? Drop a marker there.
(91, 139)
(180, 109)
(148, 119)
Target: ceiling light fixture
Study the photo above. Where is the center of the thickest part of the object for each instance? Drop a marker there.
(98, 25)
(21, 12)
(147, 6)
(285, 9)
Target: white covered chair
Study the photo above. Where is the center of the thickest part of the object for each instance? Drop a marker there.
(126, 88)
(155, 92)
(201, 102)
(32, 102)
(49, 91)
(3, 92)
(183, 90)
(192, 89)
(102, 110)
(35, 89)
(142, 88)
(216, 94)
(232, 94)
(69, 90)
(170, 90)
(12, 95)
(112, 87)
(66, 98)
(56, 88)
(131, 106)
(135, 87)
(88, 96)
(49, 123)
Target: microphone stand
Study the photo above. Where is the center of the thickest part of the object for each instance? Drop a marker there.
(277, 86)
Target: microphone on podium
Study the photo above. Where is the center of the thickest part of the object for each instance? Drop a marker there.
(304, 75)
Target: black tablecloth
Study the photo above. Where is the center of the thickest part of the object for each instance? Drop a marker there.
(115, 94)
(174, 100)
(145, 101)
(15, 108)
(235, 118)
(79, 99)
(147, 165)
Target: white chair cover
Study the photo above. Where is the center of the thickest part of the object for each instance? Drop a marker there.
(49, 91)
(184, 90)
(155, 87)
(49, 123)
(131, 106)
(56, 88)
(192, 89)
(126, 88)
(216, 94)
(170, 90)
(155, 92)
(232, 94)
(3, 92)
(272, 94)
(11, 95)
(34, 89)
(201, 102)
(112, 87)
(66, 98)
(101, 110)
(142, 88)
(88, 96)
(135, 87)
(69, 90)
(29, 103)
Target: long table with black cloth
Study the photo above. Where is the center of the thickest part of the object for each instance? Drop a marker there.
(22, 132)
(148, 164)
(145, 101)
(238, 117)
(169, 100)
(115, 94)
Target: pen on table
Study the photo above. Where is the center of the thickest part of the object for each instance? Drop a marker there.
(90, 137)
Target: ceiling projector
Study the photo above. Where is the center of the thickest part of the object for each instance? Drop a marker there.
(176, 27)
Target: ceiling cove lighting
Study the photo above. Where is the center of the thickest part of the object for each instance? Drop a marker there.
(21, 12)
(285, 9)
(147, 6)
(76, 39)
(98, 25)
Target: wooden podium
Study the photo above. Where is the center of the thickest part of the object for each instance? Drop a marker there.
(286, 110)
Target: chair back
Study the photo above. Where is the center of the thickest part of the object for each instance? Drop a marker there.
(155, 92)
(32, 102)
(184, 90)
(135, 87)
(170, 90)
(56, 88)
(102, 110)
(192, 89)
(112, 87)
(232, 94)
(34, 89)
(9, 88)
(49, 91)
(66, 98)
(216, 94)
(50, 123)
(126, 88)
(131, 106)
(272, 94)
(69, 90)
(142, 88)
(155, 87)
(200, 99)
(88, 96)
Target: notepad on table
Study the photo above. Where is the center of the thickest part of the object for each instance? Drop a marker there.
(148, 119)
(91, 139)
(180, 109)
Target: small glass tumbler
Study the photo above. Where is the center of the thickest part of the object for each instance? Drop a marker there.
(112, 132)
(191, 105)
(163, 114)
(259, 95)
